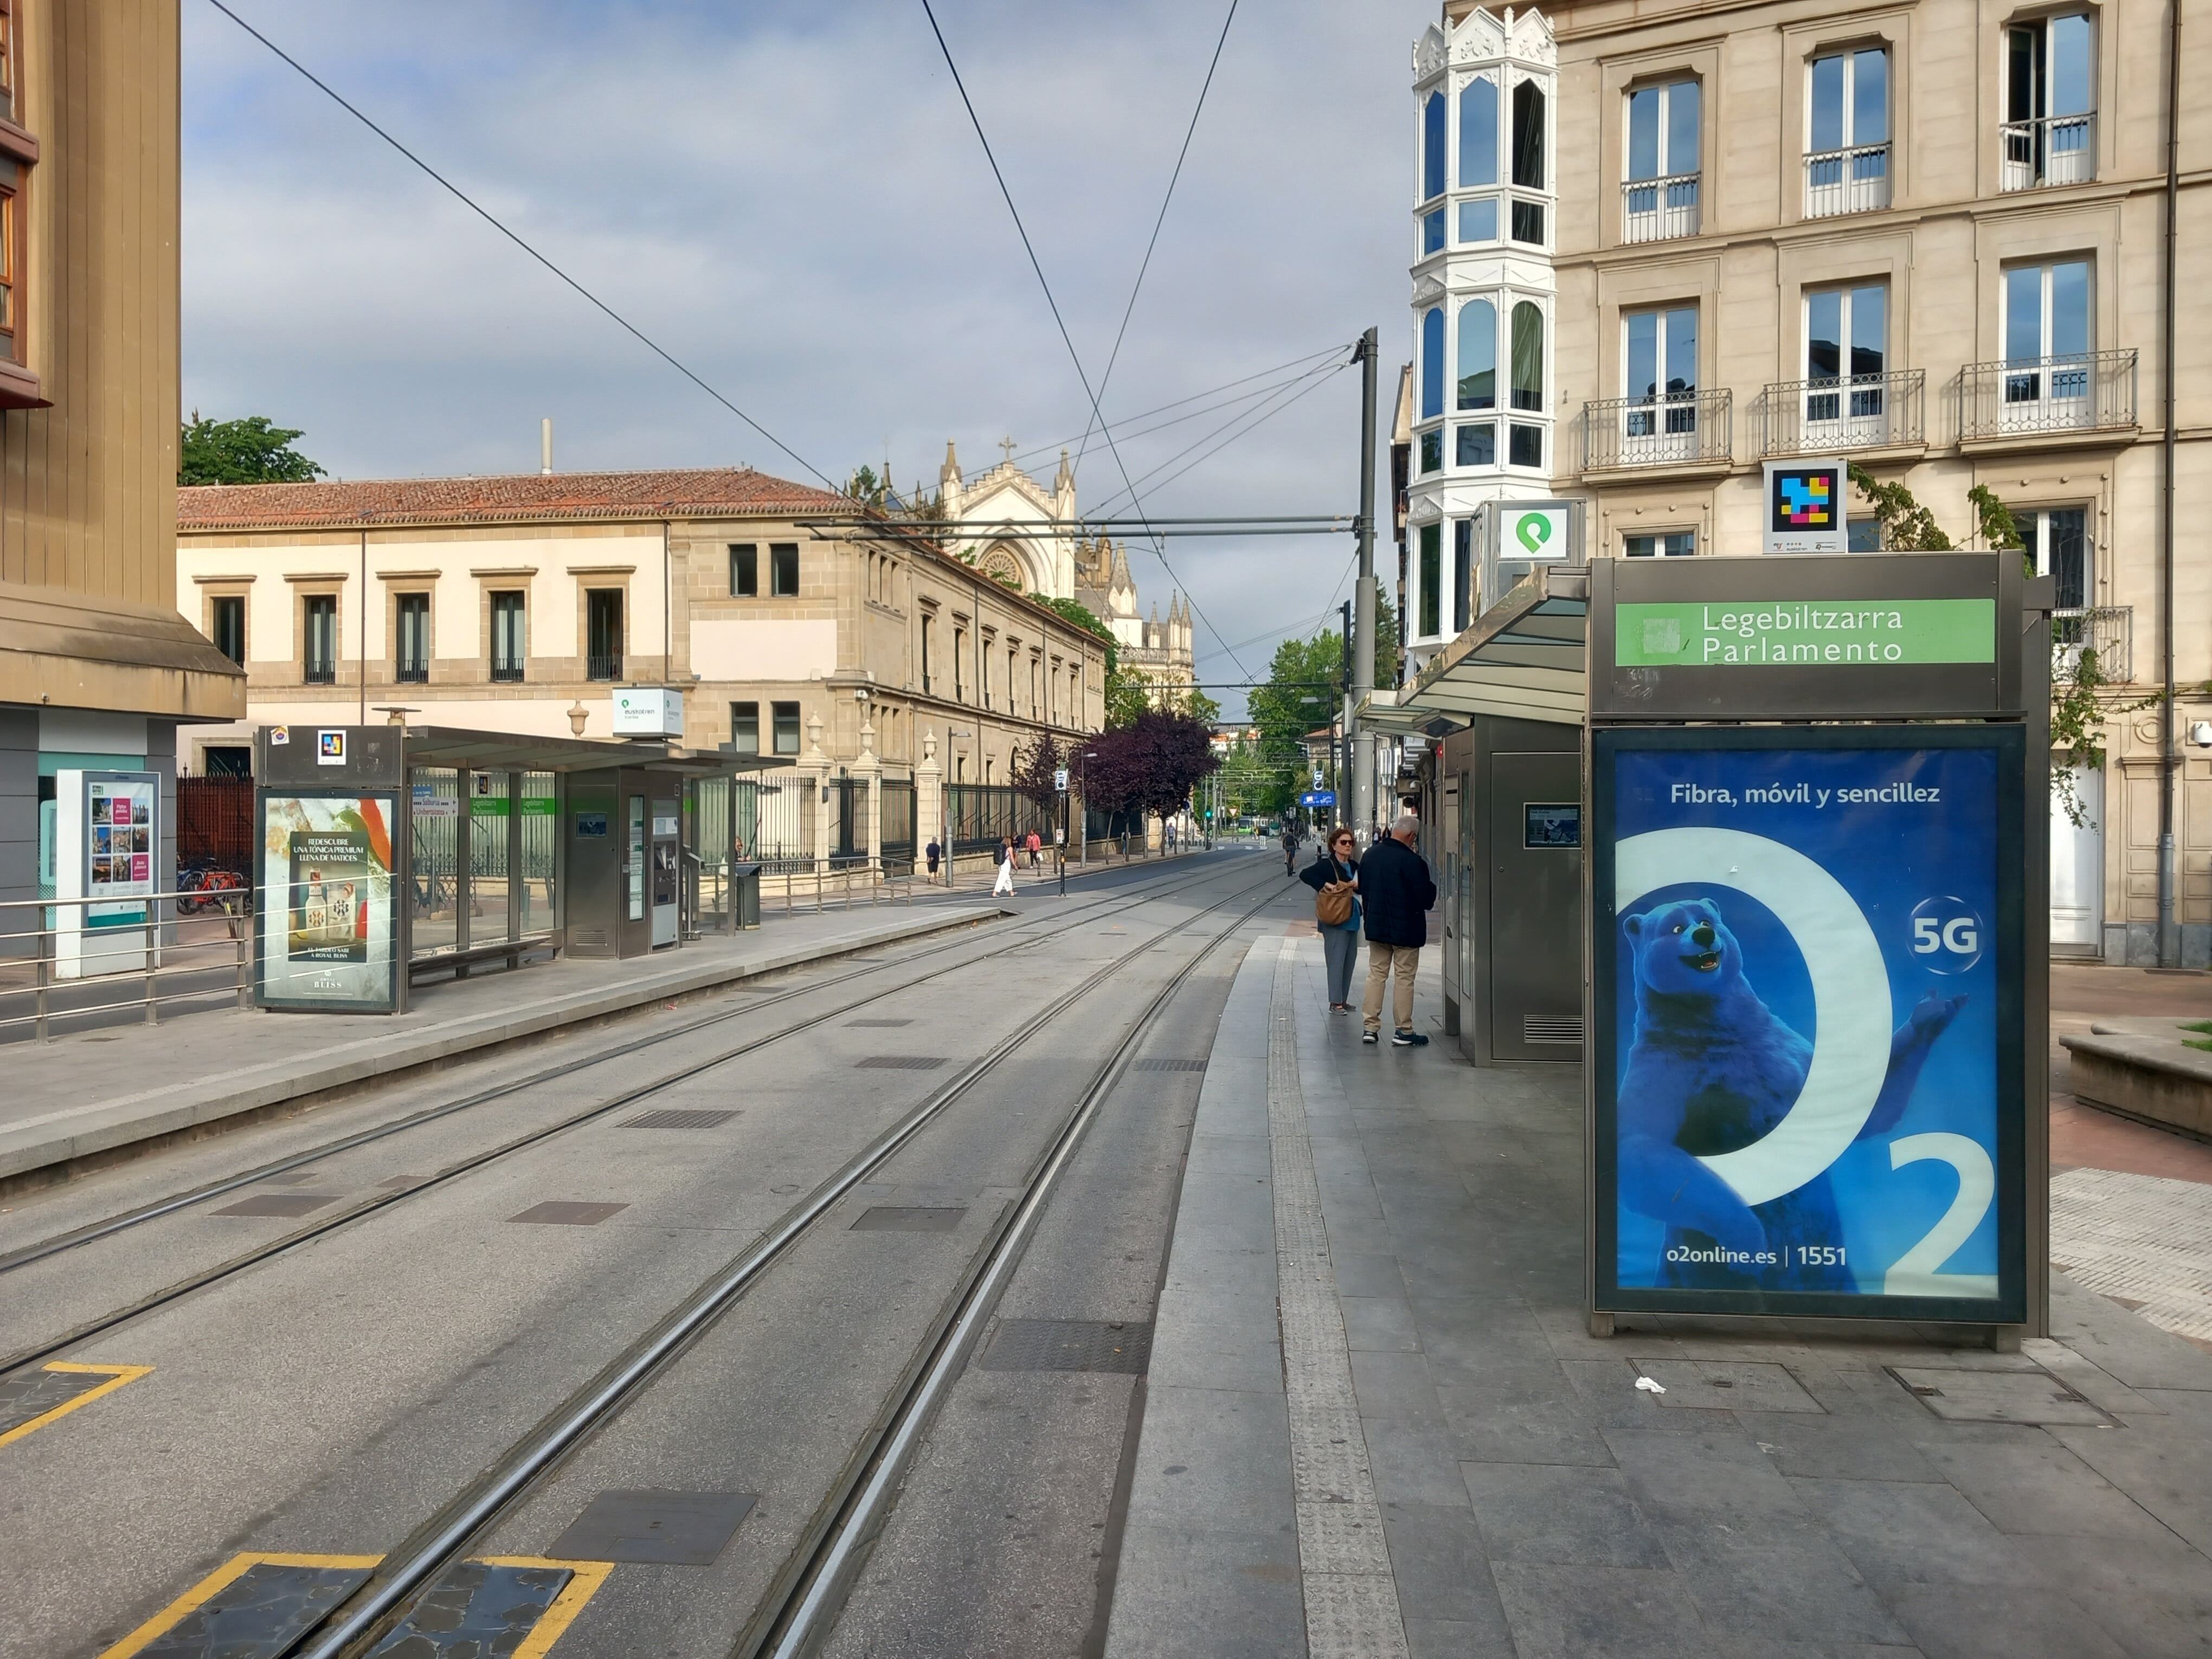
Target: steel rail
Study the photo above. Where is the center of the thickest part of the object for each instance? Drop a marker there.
(93, 1232)
(445, 1536)
(829, 1568)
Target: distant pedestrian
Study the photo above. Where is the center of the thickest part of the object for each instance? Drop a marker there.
(1290, 849)
(1171, 838)
(1005, 885)
(933, 853)
(1037, 846)
(1397, 892)
(1334, 877)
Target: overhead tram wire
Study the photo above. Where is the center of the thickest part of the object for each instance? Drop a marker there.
(1145, 264)
(1254, 420)
(1300, 363)
(466, 201)
(1159, 549)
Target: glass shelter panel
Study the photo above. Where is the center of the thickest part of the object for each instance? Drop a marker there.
(436, 870)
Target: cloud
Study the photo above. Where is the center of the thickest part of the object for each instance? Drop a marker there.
(789, 198)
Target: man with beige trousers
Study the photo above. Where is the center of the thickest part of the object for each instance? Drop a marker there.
(1397, 893)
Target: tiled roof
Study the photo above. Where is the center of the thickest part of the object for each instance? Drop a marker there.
(522, 498)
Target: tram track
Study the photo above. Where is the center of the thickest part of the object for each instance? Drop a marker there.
(805, 1594)
(93, 1232)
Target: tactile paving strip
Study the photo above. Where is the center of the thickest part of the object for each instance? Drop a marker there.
(2145, 1239)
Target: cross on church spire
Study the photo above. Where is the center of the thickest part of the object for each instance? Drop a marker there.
(1007, 444)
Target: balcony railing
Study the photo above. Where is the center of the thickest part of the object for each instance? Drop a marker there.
(2107, 630)
(412, 673)
(1853, 180)
(1656, 209)
(2054, 150)
(1860, 411)
(507, 670)
(320, 673)
(1686, 429)
(601, 667)
(2025, 395)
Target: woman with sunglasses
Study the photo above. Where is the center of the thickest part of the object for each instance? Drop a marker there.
(1337, 866)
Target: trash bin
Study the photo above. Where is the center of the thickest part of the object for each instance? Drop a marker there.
(744, 896)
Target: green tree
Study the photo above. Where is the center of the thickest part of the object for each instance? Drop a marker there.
(2078, 706)
(249, 450)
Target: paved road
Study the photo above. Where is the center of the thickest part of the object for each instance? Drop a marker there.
(322, 1403)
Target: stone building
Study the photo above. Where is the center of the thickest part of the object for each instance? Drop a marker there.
(1931, 240)
(1023, 536)
(97, 669)
(522, 604)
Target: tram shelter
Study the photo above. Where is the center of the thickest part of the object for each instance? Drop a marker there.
(392, 853)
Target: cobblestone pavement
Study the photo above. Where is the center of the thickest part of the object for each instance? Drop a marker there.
(2141, 1240)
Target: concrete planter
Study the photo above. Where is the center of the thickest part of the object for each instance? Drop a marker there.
(2155, 1080)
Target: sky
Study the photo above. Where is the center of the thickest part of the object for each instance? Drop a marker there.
(789, 198)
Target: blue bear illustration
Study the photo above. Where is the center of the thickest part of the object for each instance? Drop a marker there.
(1712, 1069)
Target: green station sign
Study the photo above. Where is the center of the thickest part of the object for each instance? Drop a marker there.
(1771, 632)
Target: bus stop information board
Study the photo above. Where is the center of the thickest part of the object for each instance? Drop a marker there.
(1807, 1075)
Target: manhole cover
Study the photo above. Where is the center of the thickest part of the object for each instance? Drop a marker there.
(1070, 1345)
(2023, 1396)
(562, 1212)
(293, 1205)
(674, 1529)
(907, 1218)
(675, 1118)
(899, 1063)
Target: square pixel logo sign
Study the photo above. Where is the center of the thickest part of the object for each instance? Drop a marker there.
(1804, 500)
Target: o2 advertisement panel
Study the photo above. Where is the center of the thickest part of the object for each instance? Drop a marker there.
(1808, 990)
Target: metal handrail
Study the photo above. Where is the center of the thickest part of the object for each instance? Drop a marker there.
(1847, 180)
(2089, 392)
(1850, 411)
(154, 940)
(1659, 209)
(2050, 149)
(1667, 430)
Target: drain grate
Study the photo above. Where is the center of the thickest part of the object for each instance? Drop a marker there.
(291, 1204)
(899, 1063)
(1545, 1027)
(564, 1212)
(907, 1218)
(1070, 1345)
(671, 1529)
(1169, 1065)
(874, 1025)
(672, 1117)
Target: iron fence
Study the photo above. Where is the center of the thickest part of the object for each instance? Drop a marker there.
(2093, 391)
(1857, 411)
(1659, 209)
(2052, 149)
(1851, 181)
(214, 824)
(977, 815)
(898, 810)
(1674, 429)
(2103, 633)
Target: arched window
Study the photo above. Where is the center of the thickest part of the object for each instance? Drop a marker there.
(1478, 133)
(1528, 356)
(1477, 354)
(1432, 146)
(1529, 136)
(1432, 362)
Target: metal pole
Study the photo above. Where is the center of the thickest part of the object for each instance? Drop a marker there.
(1362, 622)
(2169, 932)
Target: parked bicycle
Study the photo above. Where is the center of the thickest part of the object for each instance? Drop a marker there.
(203, 885)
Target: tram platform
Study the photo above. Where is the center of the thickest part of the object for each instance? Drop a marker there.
(99, 1093)
(1376, 1421)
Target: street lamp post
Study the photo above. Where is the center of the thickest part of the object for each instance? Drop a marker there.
(952, 753)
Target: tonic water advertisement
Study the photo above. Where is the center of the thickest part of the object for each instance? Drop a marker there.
(1808, 1096)
(326, 924)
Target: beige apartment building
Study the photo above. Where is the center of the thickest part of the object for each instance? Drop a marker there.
(96, 666)
(1930, 238)
(524, 604)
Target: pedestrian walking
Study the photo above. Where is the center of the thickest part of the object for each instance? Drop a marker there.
(1397, 893)
(1171, 836)
(1005, 885)
(1290, 850)
(1037, 846)
(1334, 877)
(933, 853)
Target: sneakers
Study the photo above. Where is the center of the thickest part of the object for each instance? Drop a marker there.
(1409, 1040)
(1370, 1037)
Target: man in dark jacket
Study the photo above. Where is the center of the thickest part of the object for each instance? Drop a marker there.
(1396, 893)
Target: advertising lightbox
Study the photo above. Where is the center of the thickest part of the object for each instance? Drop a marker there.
(328, 924)
(1807, 1026)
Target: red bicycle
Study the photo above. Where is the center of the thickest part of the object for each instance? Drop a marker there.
(204, 887)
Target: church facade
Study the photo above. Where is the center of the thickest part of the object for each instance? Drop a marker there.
(1015, 530)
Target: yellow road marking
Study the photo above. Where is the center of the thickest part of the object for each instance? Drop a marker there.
(552, 1624)
(117, 1375)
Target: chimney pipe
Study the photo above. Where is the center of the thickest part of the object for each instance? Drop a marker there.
(545, 447)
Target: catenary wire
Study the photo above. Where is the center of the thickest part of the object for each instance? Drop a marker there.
(1159, 549)
(1254, 418)
(1145, 264)
(468, 202)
